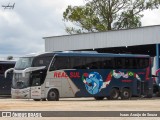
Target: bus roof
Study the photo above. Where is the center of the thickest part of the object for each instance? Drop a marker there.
(92, 54)
(101, 54)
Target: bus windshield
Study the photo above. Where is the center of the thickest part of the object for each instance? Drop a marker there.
(20, 82)
(23, 63)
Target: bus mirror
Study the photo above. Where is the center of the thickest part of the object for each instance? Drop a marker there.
(9, 70)
(30, 69)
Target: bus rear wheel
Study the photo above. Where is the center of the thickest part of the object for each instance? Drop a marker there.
(53, 95)
(125, 94)
(98, 98)
(114, 94)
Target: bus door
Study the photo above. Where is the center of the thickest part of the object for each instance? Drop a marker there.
(146, 89)
(35, 87)
(141, 86)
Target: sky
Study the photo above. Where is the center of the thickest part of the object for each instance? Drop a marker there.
(23, 28)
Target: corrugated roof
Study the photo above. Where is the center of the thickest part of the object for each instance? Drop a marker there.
(117, 38)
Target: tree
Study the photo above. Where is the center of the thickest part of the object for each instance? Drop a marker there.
(10, 58)
(103, 15)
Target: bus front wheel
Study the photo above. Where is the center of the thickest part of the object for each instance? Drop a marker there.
(125, 94)
(53, 95)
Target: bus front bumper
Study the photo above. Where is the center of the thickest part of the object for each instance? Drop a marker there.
(20, 93)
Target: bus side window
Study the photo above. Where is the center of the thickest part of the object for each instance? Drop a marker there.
(129, 63)
(143, 62)
(120, 63)
(42, 61)
(108, 63)
(105, 63)
(77, 62)
(60, 63)
(146, 62)
(140, 63)
(36, 80)
(52, 65)
(92, 63)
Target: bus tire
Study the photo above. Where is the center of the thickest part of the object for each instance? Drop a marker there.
(149, 96)
(44, 99)
(53, 95)
(114, 94)
(157, 94)
(98, 98)
(36, 99)
(125, 94)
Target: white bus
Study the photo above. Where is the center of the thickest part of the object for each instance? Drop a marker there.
(50, 76)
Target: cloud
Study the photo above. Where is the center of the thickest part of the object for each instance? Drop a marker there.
(23, 27)
(151, 17)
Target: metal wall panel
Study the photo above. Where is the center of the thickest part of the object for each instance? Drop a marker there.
(129, 37)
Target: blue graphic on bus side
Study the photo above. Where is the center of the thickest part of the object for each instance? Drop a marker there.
(93, 82)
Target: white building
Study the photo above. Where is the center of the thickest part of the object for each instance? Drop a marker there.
(140, 40)
(144, 40)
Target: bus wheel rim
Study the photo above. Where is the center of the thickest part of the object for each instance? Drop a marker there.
(115, 95)
(125, 93)
(52, 94)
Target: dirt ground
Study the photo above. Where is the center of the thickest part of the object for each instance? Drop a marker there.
(81, 104)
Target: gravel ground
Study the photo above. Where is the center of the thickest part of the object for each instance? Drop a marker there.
(81, 104)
